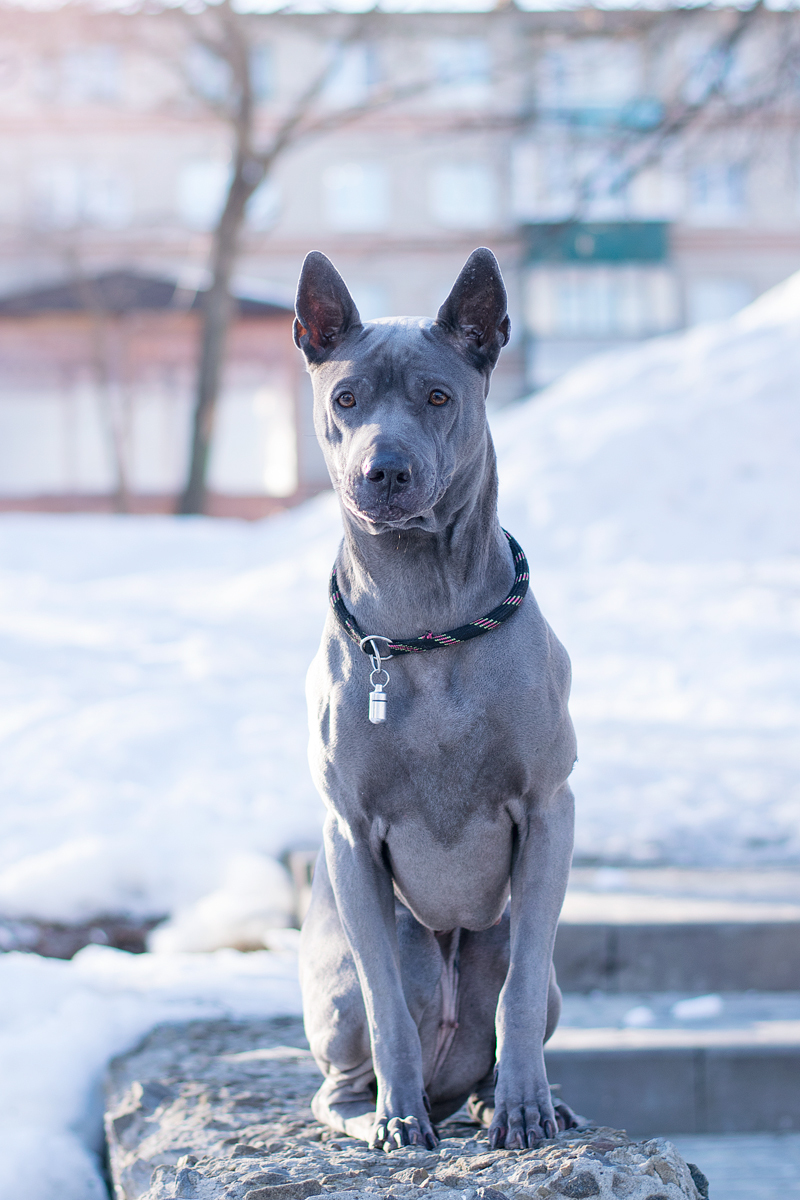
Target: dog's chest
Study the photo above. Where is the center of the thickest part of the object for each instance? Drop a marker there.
(447, 750)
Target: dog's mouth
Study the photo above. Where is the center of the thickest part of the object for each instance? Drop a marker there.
(391, 514)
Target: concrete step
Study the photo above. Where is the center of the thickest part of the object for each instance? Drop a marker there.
(634, 1061)
(673, 929)
(692, 957)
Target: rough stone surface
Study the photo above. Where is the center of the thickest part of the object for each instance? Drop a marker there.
(210, 1109)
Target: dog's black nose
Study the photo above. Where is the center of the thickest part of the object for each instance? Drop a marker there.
(388, 468)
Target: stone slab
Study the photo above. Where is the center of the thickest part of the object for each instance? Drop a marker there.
(690, 957)
(212, 1109)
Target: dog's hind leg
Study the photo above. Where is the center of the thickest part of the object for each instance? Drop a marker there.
(334, 1013)
(334, 1016)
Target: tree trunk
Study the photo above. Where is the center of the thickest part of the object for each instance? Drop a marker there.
(216, 319)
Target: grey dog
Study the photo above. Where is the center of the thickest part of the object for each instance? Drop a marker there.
(426, 953)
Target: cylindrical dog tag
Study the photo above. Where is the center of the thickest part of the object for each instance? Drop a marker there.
(377, 705)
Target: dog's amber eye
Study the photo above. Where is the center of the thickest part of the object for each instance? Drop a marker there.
(346, 400)
(438, 397)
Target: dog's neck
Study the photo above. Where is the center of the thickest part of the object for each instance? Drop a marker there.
(404, 583)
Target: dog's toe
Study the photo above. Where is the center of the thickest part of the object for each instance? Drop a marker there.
(498, 1130)
(521, 1128)
(395, 1132)
(566, 1118)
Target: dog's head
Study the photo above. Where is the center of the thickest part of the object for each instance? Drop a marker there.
(399, 405)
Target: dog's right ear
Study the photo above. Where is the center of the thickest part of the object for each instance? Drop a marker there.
(324, 307)
(475, 311)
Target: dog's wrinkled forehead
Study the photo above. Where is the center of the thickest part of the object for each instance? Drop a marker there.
(399, 355)
(469, 331)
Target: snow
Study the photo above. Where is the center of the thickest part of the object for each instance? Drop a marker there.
(684, 449)
(656, 494)
(254, 901)
(61, 1022)
(152, 719)
(153, 729)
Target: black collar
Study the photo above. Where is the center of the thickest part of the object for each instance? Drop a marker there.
(433, 641)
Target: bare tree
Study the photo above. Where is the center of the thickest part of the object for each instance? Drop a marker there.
(227, 35)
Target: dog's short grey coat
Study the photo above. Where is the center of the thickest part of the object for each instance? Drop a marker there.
(426, 954)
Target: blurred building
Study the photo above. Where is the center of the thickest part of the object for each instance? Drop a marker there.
(635, 172)
(96, 399)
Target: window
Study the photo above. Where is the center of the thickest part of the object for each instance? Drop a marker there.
(356, 196)
(463, 195)
(543, 180)
(201, 192)
(462, 69)
(717, 193)
(263, 207)
(209, 75)
(590, 73)
(105, 199)
(715, 299)
(67, 195)
(90, 74)
(353, 74)
(255, 443)
(371, 300)
(560, 176)
(706, 63)
(262, 72)
(57, 196)
(600, 302)
(606, 190)
(657, 192)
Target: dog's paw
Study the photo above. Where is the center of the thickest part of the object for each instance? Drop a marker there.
(522, 1126)
(392, 1133)
(566, 1118)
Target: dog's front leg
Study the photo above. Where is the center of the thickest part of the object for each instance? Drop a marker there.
(362, 887)
(524, 1111)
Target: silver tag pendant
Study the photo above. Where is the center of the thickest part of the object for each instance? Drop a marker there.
(377, 705)
(377, 697)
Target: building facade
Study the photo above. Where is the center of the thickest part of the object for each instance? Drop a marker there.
(96, 401)
(635, 171)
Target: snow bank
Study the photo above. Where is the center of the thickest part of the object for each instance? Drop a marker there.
(152, 718)
(684, 449)
(63, 1021)
(656, 494)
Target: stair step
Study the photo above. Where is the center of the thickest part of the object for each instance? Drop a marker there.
(678, 956)
(734, 1072)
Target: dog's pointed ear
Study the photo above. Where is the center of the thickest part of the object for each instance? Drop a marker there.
(475, 312)
(324, 307)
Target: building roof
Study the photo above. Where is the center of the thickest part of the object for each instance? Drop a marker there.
(124, 291)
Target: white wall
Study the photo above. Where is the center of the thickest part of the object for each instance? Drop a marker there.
(55, 442)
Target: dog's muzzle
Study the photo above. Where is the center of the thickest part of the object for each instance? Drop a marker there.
(387, 489)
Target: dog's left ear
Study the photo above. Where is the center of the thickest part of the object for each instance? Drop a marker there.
(324, 307)
(475, 311)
